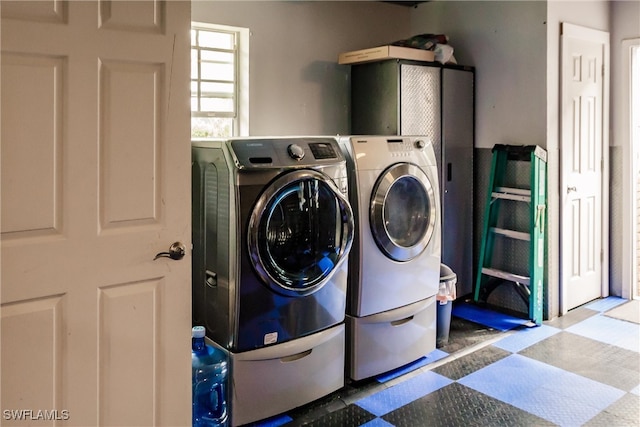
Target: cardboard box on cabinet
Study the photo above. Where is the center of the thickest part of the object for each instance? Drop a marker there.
(385, 52)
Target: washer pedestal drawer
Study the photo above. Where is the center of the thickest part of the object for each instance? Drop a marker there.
(274, 379)
(385, 341)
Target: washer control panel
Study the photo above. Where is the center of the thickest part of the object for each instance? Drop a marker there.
(251, 153)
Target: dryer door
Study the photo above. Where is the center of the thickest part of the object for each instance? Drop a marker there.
(300, 231)
(402, 211)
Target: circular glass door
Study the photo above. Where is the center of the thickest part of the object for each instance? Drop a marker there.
(300, 231)
(403, 211)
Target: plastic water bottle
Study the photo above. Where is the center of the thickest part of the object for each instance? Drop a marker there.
(209, 382)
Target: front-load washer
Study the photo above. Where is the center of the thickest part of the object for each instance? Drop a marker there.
(394, 266)
(272, 230)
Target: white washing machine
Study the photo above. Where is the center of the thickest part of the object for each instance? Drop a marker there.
(394, 265)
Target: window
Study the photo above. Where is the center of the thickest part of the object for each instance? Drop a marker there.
(218, 66)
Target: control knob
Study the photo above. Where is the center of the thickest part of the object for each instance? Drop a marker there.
(420, 144)
(295, 151)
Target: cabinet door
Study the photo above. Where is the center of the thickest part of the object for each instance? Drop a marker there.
(420, 103)
(456, 175)
(375, 98)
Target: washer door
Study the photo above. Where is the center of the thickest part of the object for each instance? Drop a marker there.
(300, 231)
(402, 211)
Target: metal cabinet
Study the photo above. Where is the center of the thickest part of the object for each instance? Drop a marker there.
(400, 97)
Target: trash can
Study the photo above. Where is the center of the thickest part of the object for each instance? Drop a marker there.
(446, 295)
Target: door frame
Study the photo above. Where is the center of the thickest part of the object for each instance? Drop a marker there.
(630, 158)
(567, 31)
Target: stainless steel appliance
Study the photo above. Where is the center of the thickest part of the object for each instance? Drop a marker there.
(395, 262)
(272, 229)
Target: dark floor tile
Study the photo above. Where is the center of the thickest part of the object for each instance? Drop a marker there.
(361, 389)
(336, 401)
(571, 318)
(351, 416)
(623, 413)
(470, 363)
(592, 359)
(457, 405)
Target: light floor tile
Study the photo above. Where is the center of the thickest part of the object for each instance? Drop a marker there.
(610, 331)
(378, 422)
(399, 395)
(525, 338)
(605, 304)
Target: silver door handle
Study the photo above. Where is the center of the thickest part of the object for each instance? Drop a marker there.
(570, 189)
(177, 250)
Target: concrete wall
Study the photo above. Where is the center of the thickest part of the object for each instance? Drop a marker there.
(296, 84)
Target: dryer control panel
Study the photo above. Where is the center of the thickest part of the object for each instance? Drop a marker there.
(376, 152)
(403, 147)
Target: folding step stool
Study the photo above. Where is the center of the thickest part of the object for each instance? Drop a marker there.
(488, 278)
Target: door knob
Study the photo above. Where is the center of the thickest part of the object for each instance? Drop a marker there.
(570, 189)
(177, 250)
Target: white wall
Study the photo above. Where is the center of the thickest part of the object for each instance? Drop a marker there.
(626, 15)
(506, 42)
(296, 85)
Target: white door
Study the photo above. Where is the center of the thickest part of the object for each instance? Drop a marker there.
(95, 155)
(584, 52)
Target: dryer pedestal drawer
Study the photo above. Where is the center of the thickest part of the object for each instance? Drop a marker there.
(274, 379)
(388, 340)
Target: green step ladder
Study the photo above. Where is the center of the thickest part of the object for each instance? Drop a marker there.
(529, 286)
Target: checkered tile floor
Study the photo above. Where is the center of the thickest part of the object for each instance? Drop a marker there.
(580, 369)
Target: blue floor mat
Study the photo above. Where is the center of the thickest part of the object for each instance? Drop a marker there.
(432, 357)
(483, 316)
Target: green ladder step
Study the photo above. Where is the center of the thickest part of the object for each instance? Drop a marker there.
(529, 286)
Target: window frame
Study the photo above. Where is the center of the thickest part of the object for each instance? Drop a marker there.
(240, 95)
